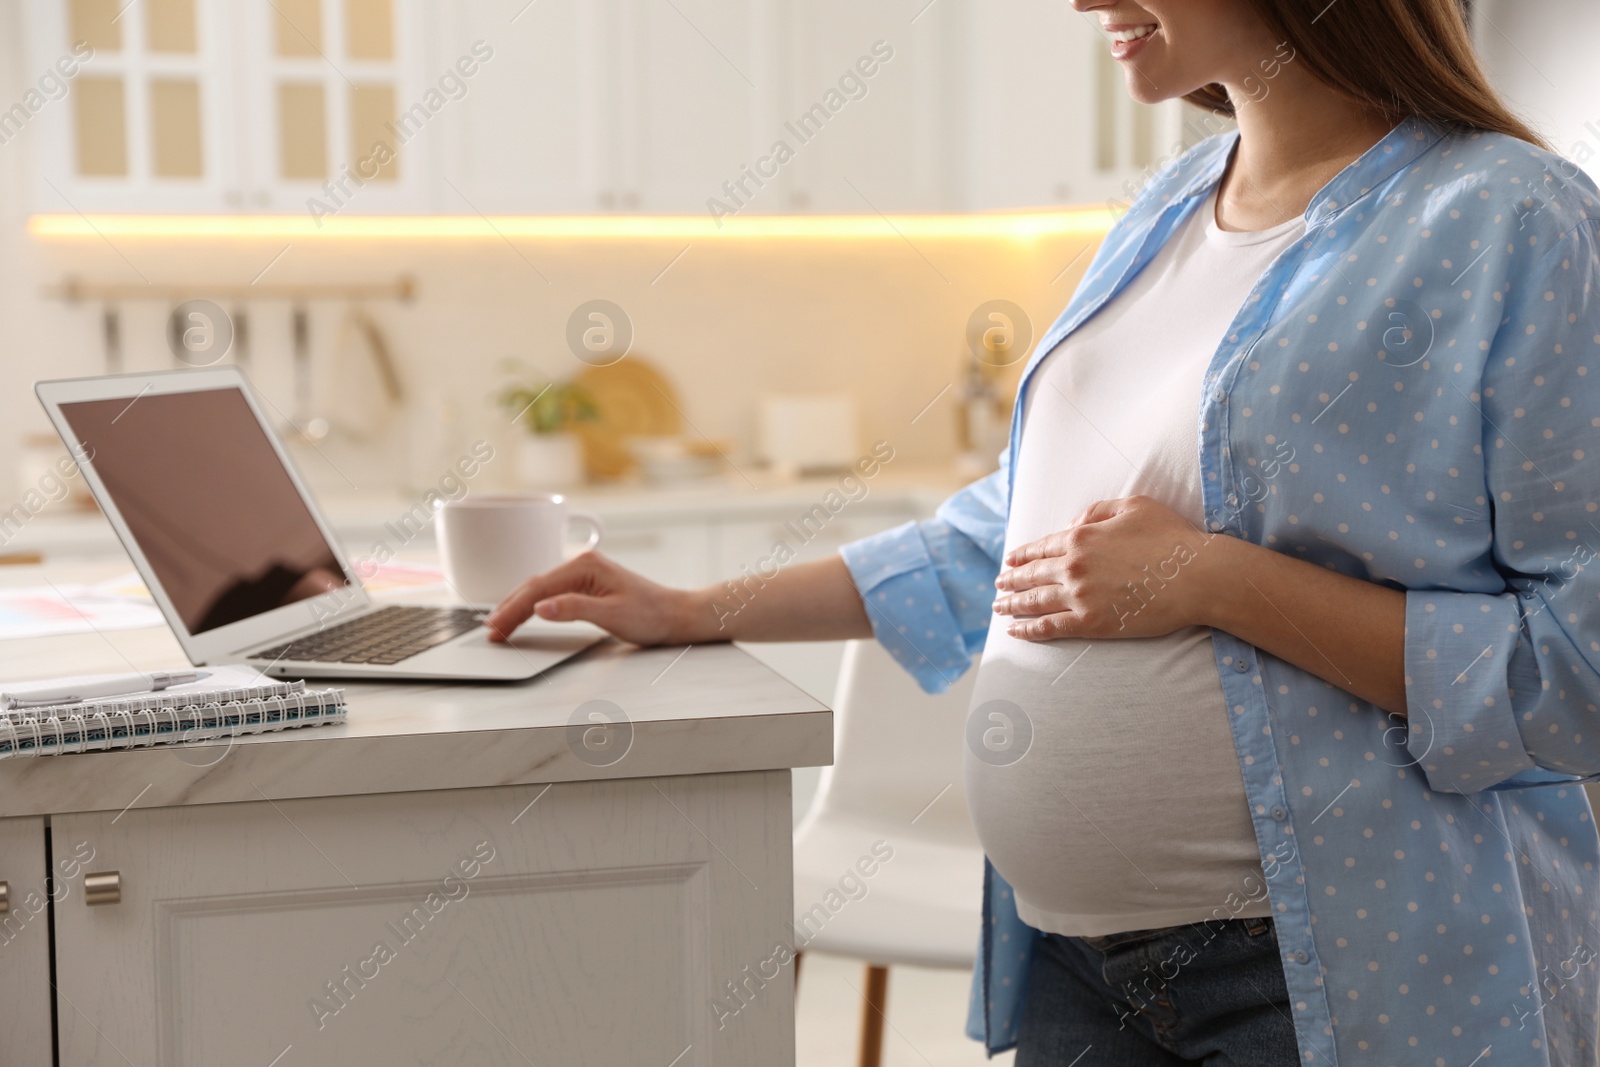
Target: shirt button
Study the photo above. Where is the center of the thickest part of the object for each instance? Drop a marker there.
(1218, 395)
(1280, 813)
(1302, 956)
(1241, 666)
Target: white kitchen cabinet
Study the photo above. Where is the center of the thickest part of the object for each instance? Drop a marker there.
(682, 108)
(808, 531)
(678, 554)
(867, 104)
(599, 106)
(595, 927)
(337, 106)
(209, 105)
(1049, 119)
(25, 1039)
(694, 99)
(147, 107)
(614, 105)
(532, 133)
(742, 545)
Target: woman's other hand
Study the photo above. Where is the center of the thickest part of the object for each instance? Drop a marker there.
(1124, 568)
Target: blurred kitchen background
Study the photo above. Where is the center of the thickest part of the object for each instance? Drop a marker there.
(687, 260)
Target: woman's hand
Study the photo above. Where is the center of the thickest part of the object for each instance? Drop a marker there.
(1136, 568)
(592, 588)
(1124, 568)
(815, 601)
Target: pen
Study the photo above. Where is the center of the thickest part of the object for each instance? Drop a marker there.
(111, 686)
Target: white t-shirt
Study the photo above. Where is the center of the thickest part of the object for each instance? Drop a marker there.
(1128, 811)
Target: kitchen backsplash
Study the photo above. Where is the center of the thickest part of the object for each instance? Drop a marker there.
(885, 320)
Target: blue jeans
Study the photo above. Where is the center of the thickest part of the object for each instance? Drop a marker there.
(1208, 993)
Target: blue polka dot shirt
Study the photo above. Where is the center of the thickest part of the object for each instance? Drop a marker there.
(1411, 396)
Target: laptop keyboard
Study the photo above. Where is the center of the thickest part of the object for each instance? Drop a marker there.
(381, 638)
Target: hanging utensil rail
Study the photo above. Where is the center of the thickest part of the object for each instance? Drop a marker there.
(403, 289)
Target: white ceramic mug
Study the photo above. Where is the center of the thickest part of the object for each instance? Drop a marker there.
(490, 544)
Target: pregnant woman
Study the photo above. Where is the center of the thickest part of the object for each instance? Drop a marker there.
(1285, 585)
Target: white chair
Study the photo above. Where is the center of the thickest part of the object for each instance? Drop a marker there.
(896, 778)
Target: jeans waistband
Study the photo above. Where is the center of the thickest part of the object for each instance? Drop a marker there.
(1253, 926)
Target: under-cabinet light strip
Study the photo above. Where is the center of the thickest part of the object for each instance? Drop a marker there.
(1031, 226)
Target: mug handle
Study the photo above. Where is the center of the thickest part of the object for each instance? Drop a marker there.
(596, 528)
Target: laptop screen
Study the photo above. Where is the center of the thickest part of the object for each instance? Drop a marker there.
(209, 502)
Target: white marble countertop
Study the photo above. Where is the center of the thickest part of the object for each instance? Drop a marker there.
(702, 710)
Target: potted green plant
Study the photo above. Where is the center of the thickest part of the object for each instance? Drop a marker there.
(548, 454)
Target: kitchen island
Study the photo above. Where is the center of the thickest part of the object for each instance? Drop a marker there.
(589, 868)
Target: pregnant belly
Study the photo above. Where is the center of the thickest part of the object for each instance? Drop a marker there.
(1104, 783)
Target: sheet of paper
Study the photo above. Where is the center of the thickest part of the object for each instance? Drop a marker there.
(397, 577)
(123, 602)
(46, 610)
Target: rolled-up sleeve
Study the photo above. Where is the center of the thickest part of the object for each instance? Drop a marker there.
(1502, 688)
(928, 586)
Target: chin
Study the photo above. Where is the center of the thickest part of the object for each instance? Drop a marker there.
(1141, 89)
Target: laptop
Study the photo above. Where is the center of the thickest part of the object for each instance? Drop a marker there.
(239, 557)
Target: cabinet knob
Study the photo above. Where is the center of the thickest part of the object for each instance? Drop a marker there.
(5, 897)
(103, 887)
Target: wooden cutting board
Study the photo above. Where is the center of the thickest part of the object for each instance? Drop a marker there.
(633, 398)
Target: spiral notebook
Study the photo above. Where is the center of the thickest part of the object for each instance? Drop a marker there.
(233, 701)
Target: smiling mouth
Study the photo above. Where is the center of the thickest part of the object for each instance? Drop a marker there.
(1128, 41)
(1129, 34)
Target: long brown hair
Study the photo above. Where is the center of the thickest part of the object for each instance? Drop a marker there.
(1395, 57)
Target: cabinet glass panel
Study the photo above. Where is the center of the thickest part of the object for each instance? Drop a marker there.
(298, 27)
(169, 26)
(101, 127)
(302, 131)
(94, 21)
(175, 127)
(369, 29)
(337, 92)
(371, 143)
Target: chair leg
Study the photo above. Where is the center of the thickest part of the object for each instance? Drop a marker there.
(872, 1016)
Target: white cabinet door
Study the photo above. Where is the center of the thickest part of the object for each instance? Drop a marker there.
(743, 544)
(129, 110)
(615, 105)
(596, 923)
(25, 1039)
(692, 95)
(530, 135)
(677, 554)
(1050, 120)
(338, 111)
(321, 106)
(742, 547)
(659, 106)
(866, 107)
